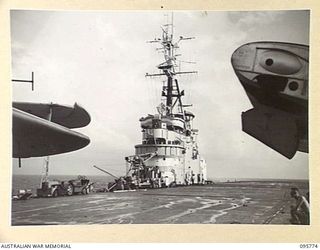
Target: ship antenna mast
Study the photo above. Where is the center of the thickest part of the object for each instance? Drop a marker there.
(167, 68)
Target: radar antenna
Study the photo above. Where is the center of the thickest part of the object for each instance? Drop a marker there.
(168, 67)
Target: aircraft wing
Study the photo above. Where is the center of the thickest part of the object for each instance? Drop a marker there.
(34, 136)
(67, 116)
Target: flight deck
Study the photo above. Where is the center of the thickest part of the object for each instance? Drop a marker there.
(246, 202)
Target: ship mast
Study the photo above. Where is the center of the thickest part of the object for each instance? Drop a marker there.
(168, 154)
(167, 68)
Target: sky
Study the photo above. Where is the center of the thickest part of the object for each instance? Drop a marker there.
(99, 60)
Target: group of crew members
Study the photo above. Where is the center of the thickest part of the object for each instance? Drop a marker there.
(154, 178)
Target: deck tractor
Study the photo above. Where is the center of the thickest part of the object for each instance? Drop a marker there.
(55, 188)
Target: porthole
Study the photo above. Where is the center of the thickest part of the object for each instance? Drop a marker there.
(269, 62)
(293, 85)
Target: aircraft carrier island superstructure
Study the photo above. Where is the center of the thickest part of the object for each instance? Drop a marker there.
(168, 154)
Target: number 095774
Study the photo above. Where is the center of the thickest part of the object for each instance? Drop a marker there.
(308, 246)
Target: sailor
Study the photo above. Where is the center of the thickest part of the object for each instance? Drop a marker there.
(122, 183)
(192, 177)
(189, 176)
(299, 212)
(174, 176)
(203, 180)
(134, 181)
(159, 177)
